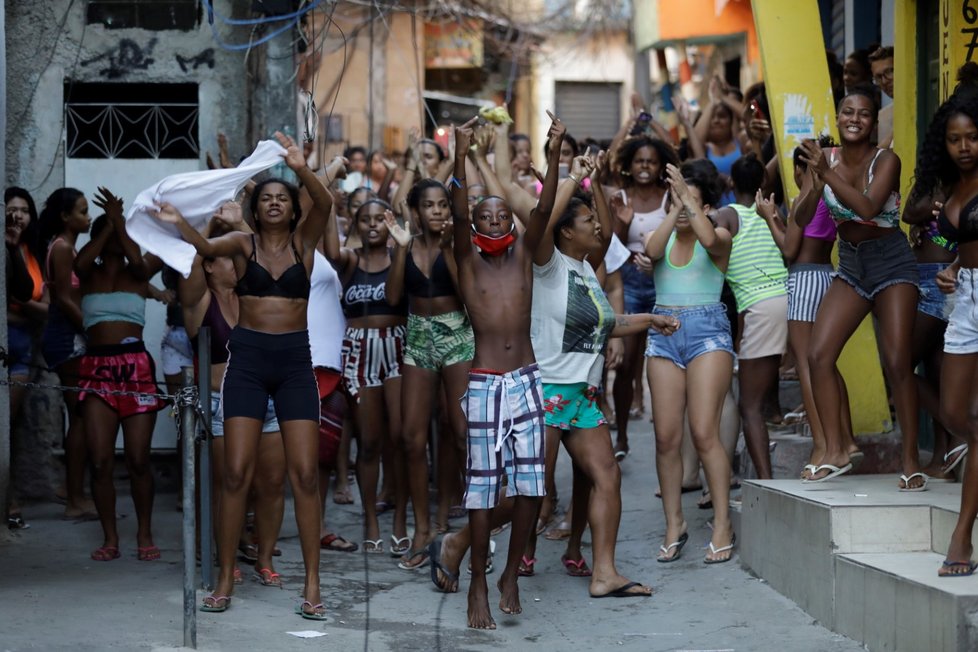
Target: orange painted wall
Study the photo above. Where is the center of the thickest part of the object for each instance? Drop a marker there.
(684, 19)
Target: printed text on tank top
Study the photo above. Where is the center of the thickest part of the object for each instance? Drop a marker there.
(365, 294)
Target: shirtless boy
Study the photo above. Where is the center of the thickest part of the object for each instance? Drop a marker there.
(495, 276)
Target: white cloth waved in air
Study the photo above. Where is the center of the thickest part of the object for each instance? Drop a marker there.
(197, 195)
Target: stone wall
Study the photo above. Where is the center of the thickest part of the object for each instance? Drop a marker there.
(48, 43)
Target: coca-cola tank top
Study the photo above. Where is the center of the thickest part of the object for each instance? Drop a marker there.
(364, 295)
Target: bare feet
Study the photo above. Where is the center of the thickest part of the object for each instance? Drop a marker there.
(509, 596)
(83, 510)
(479, 614)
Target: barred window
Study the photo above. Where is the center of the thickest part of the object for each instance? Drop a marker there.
(131, 121)
(146, 14)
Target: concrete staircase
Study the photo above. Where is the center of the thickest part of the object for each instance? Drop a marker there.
(862, 558)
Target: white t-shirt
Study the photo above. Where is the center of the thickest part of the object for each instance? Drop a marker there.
(326, 321)
(571, 320)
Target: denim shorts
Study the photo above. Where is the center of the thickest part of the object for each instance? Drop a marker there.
(702, 329)
(217, 417)
(20, 348)
(961, 336)
(932, 300)
(639, 289)
(874, 265)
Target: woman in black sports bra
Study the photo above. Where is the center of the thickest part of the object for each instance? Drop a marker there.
(439, 349)
(269, 356)
(949, 158)
(372, 351)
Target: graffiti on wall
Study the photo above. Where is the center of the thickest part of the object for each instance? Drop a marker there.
(124, 58)
(205, 58)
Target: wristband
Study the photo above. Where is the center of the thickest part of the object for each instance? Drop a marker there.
(456, 181)
(574, 179)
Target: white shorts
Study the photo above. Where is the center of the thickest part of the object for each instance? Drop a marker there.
(765, 329)
(176, 351)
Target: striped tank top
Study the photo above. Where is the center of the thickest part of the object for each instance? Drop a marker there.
(756, 270)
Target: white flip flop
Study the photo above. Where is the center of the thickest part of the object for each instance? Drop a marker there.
(835, 472)
(907, 478)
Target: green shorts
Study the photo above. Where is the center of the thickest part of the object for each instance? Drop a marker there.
(571, 406)
(439, 341)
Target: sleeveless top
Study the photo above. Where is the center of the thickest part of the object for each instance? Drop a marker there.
(220, 331)
(967, 228)
(75, 282)
(724, 162)
(889, 216)
(258, 282)
(643, 224)
(821, 226)
(439, 284)
(697, 283)
(756, 270)
(365, 295)
(113, 306)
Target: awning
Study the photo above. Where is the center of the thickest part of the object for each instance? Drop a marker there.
(662, 23)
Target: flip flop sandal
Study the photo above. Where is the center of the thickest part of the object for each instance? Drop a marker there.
(559, 533)
(809, 470)
(314, 614)
(905, 479)
(329, 542)
(489, 566)
(434, 554)
(577, 568)
(714, 551)
(678, 544)
(456, 512)
(623, 592)
(17, 522)
(399, 546)
(383, 506)
(343, 497)
(376, 546)
(238, 577)
(267, 577)
(967, 568)
(834, 472)
(499, 530)
(954, 457)
(105, 553)
(218, 604)
(526, 567)
(149, 553)
(412, 554)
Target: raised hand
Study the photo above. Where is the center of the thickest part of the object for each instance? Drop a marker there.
(230, 214)
(167, 213)
(766, 208)
(293, 153)
(814, 156)
(683, 109)
(679, 188)
(598, 163)
(400, 234)
(109, 203)
(623, 212)
(463, 136)
(482, 140)
(580, 167)
(555, 135)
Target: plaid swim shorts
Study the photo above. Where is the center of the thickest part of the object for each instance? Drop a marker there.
(504, 412)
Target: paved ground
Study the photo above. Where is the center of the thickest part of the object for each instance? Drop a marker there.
(53, 597)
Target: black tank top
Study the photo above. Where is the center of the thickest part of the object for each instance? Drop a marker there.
(220, 331)
(439, 284)
(364, 295)
(257, 282)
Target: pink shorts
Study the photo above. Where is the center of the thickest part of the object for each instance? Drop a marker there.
(120, 367)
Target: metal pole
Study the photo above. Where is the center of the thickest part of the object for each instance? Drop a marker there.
(206, 522)
(187, 431)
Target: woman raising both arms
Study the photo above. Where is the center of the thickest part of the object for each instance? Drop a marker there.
(270, 356)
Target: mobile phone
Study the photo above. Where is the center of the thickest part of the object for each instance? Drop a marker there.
(563, 171)
(642, 123)
(756, 110)
(592, 150)
(624, 197)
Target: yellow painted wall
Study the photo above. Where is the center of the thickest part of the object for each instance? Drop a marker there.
(959, 39)
(905, 87)
(800, 97)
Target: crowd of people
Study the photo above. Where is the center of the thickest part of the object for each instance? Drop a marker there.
(459, 307)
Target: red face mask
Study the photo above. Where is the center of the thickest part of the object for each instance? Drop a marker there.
(493, 245)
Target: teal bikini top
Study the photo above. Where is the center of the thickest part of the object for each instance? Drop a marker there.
(113, 306)
(889, 216)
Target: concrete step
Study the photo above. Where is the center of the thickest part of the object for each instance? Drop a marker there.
(857, 554)
(896, 601)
